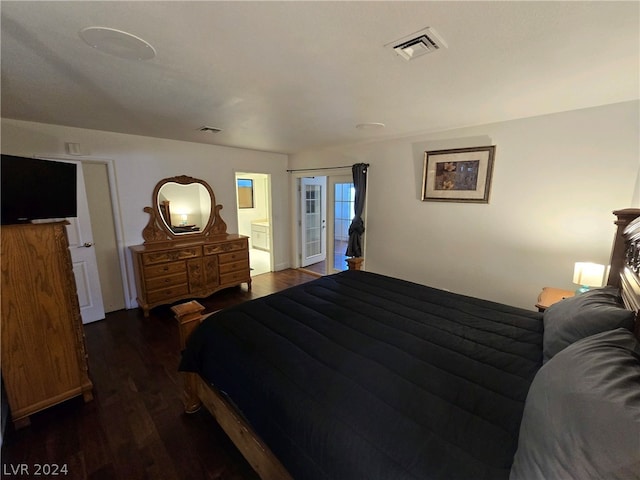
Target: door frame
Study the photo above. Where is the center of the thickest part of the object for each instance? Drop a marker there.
(117, 217)
(269, 197)
(294, 179)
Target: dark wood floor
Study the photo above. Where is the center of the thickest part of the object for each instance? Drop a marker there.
(134, 428)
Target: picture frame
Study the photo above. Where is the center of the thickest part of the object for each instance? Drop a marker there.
(458, 175)
(245, 192)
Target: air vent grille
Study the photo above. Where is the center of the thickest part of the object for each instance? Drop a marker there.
(418, 44)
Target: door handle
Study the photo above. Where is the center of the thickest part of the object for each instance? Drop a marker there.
(88, 245)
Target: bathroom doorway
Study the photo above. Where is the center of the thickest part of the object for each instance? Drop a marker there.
(253, 196)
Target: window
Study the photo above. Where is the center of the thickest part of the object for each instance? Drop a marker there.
(344, 199)
(245, 193)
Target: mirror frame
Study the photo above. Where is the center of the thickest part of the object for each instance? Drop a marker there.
(157, 229)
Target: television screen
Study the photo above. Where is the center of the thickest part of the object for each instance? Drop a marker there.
(33, 189)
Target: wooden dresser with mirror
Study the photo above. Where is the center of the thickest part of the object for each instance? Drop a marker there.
(187, 252)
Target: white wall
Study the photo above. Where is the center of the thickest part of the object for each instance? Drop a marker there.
(556, 180)
(140, 162)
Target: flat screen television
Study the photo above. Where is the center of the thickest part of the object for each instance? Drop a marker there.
(34, 189)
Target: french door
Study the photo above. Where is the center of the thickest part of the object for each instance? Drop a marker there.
(313, 220)
(342, 198)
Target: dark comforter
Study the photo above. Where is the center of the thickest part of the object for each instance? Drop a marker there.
(362, 376)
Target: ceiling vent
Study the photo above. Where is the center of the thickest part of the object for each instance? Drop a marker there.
(418, 44)
(210, 129)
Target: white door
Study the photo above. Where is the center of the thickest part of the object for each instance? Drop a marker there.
(83, 256)
(313, 220)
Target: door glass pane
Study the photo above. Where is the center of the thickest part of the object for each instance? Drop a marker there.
(344, 199)
(313, 220)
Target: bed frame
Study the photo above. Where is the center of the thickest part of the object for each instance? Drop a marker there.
(197, 393)
(624, 274)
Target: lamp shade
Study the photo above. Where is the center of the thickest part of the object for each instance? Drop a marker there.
(588, 274)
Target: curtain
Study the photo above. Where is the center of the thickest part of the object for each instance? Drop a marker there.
(356, 229)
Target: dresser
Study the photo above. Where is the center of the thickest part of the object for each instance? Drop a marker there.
(44, 359)
(173, 264)
(166, 274)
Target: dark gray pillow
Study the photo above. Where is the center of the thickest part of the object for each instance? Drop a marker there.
(582, 414)
(586, 314)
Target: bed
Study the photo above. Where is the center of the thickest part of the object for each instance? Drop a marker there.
(362, 376)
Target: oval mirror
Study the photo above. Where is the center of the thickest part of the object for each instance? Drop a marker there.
(184, 205)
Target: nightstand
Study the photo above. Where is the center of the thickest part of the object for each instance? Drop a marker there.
(549, 295)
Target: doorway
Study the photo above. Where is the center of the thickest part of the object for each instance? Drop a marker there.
(253, 199)
(325, 211)
(98, 266)
(103, 226)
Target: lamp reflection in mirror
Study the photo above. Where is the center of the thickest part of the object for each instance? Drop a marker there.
(587, 275)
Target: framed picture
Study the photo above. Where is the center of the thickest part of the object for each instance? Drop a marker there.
(459, 175)
(245, 193)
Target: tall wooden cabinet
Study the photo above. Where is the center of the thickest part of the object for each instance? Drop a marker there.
(44, 360)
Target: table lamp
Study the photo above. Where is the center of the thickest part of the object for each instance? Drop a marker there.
(587, 275)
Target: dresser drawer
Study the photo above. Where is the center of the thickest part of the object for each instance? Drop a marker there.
(234, 267)
(157, 283)
(235, 277)
(152, 258)
(233, 257)
(225, 247)
(167, 295)
(164, 269)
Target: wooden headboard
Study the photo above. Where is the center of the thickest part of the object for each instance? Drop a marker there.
(625, 260)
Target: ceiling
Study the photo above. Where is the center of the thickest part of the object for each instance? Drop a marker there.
(291, 76)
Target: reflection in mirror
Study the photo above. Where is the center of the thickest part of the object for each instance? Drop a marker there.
(184, 208)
